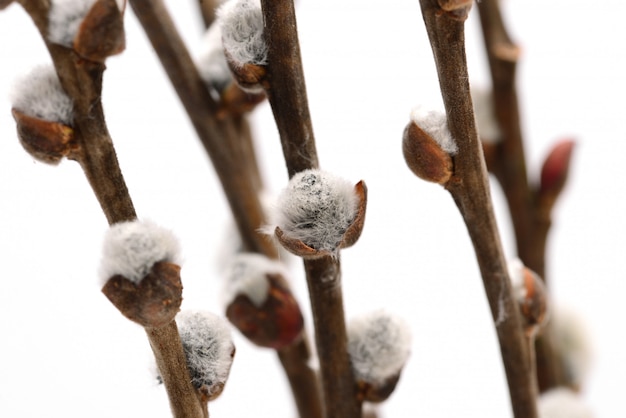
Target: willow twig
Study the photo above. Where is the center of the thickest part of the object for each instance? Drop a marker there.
(531, 221)
(82, 81)
(287, 95)
(470, 191)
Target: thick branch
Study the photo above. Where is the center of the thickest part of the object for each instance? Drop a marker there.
(287, 90)
(470, 190)
(324, 283)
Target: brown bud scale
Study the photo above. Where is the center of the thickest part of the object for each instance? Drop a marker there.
(154, 301)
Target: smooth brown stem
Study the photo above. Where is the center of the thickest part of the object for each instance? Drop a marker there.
(288, 99)
(470, 190)
(295, 359)
(338, 385)
(165, 343)
(287, 90)
(531, 222)
(217, 136)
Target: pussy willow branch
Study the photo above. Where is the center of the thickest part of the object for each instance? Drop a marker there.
(288, 98)
(229, 156)
(82, 80)
(531, 222)
(470, 190)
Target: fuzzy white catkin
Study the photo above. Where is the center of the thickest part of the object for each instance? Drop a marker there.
(130, 249)
(242, 25)
(64, 19)
(379, 345)
(484, 112)
(66, 16)
(562, 403)
(211, 63)
(247, 275)
(39, 94)
(208, 346)
(435, 124)
(571, 339)
(317, 208)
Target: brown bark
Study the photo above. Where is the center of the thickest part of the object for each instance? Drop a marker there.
(470, 190)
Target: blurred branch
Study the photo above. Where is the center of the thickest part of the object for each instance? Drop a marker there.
(470, 190)
(530, 209)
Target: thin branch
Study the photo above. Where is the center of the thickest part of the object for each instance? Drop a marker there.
(82, 80)
(230, 148)
(286, 91)
(470, 191)
(531, 221)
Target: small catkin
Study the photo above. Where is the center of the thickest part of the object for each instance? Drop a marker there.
(241, 22)
(379, 345)
(212, 64)
(64, 19)
(317, 208)
(39, 94)
(131, 248)
(562, 403)
(208, 347)
(435, 124)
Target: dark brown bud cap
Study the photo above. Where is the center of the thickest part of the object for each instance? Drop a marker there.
(377, 392)
(101, 34)
(424, 155)
(250, 77)
(46, 141)
(154, 301)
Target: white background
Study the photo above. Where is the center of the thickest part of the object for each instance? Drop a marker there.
(66, 351)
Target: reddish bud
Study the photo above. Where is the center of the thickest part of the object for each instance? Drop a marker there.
(277, 323)
(154, 301)
(424, 156)
(46, 141)
(555, 169)
(101, 34)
